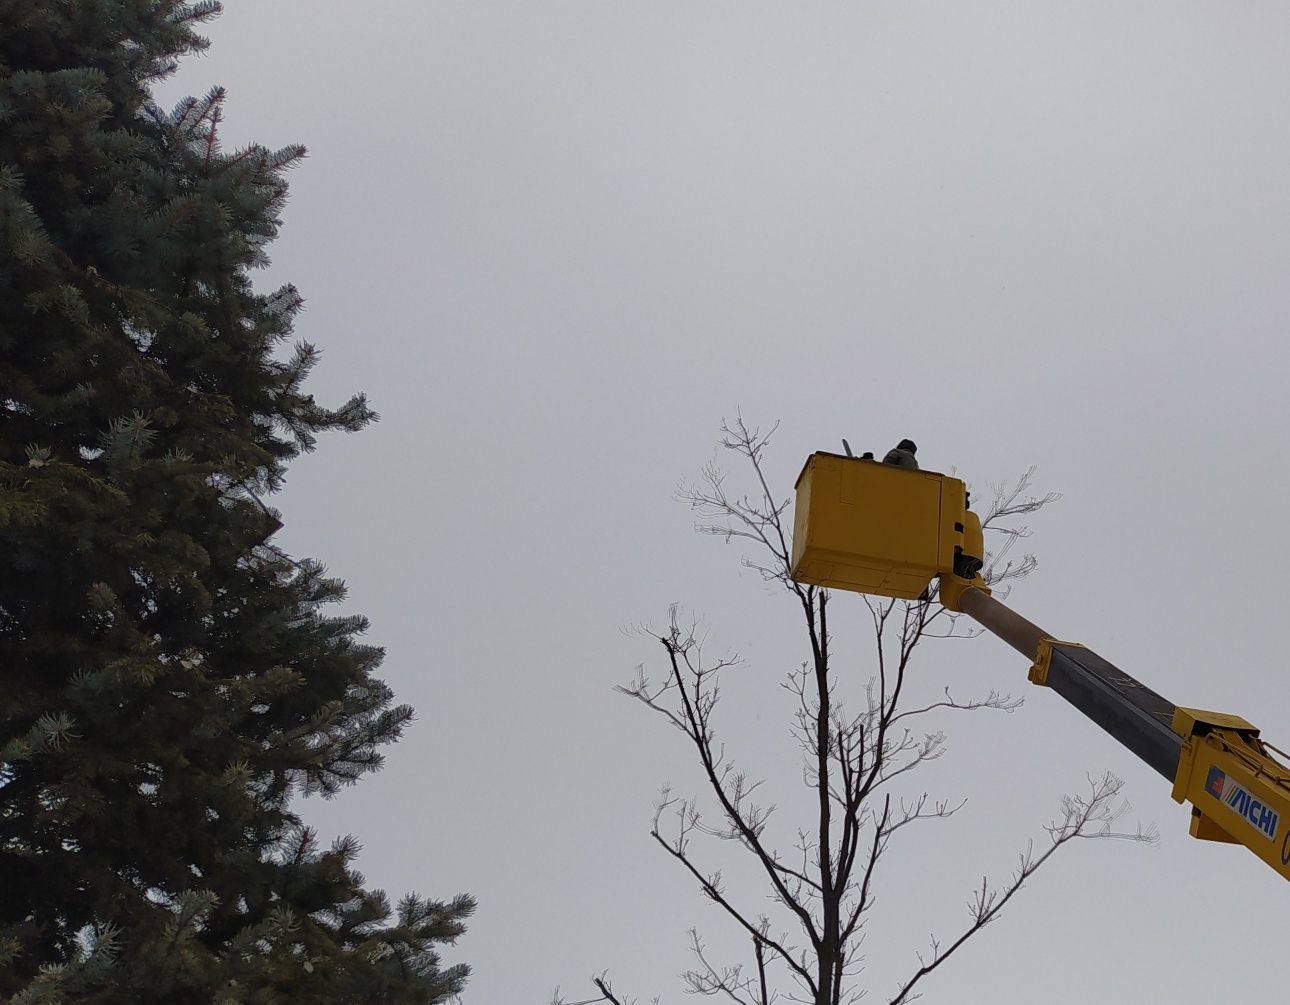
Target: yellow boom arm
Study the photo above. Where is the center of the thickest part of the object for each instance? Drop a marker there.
(1238, 792)
(888, 531)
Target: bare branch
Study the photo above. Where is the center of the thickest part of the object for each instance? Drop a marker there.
(1091, 816)
(994, 699)
(711, 886)
(601, 983)
(728, 981)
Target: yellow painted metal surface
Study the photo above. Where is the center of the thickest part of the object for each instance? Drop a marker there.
(1239, 793)
(1043, 660)
(1196, 720)
(1205, 829)
(875, 528)
(953, 587)
(973, 535)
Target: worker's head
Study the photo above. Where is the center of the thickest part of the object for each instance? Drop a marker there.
(907, 445)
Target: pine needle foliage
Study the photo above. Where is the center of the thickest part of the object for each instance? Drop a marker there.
(169, 677)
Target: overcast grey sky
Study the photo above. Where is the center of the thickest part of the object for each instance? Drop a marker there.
(557, 242)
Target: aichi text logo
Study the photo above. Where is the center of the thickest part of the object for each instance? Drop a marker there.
(1229, 791)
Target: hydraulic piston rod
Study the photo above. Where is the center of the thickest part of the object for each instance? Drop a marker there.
(1003, 622)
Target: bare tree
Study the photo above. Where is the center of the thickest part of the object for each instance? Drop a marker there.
(824, 886)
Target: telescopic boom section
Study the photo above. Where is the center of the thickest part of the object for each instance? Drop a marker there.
(1127, 709)
(1238, 791)
(887, 531)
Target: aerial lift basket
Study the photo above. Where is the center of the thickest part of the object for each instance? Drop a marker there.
(877, 528)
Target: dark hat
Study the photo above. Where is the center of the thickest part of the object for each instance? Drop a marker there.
(907, 445)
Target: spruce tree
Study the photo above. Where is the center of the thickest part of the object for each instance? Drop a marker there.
(169, 677)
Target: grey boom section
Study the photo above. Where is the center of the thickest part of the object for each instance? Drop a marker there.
(1127, 709)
